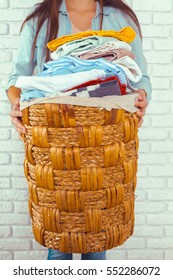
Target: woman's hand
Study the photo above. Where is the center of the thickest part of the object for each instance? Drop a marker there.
(16, 116)
(142, 104)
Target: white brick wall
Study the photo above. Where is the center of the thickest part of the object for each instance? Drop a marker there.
(153, 237)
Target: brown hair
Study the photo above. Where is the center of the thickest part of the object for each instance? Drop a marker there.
(47, 10)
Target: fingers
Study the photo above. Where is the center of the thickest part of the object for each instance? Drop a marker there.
(18, 125)
(16, 120)
(15, 114)
(141, 102)
(141, 120)
(140, 113)
(16, 104)
(20, 130)
(142, 93)
(21, 136)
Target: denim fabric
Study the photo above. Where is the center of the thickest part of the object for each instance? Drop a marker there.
(57, 255)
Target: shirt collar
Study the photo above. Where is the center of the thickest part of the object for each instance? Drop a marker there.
(63, 9)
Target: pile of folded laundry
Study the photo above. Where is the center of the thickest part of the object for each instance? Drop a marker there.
(86, 64)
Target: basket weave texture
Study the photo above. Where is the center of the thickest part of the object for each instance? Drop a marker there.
(80, 163)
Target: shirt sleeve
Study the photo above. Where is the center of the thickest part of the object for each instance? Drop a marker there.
(144, 83)
(22, 65)
(137, 50)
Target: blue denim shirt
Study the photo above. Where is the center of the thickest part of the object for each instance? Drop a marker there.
(113, 19)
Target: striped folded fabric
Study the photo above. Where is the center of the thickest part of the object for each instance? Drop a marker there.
(102, 89)
(103, 83)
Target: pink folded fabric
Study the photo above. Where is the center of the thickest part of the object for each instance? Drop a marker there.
(110, 55)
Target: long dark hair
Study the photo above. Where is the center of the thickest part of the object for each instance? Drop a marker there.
(47, 10)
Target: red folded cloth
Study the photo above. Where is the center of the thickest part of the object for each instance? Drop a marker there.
(98, 81)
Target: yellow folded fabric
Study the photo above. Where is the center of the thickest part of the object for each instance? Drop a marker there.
(126, 34)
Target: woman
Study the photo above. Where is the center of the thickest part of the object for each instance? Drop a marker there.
(45, 24)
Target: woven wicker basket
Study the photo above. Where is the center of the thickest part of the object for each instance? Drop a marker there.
(80, 163)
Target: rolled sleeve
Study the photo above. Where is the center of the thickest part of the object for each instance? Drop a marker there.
(137, 49)
(144, 83)
(22, 65)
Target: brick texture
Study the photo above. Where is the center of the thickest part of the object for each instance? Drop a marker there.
(153, 234)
